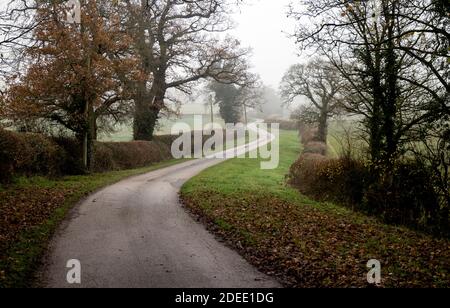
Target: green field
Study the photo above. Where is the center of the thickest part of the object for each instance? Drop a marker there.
(342, 135)
(124, 132)
(255, 179)
(306, 243)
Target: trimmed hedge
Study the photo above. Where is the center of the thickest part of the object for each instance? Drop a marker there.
(337, 180)
(315, 147)
(308, 135)
(128, 155)
(284, 124)
(44, 155)
(23, 154)
(28, 154)
(10, 146)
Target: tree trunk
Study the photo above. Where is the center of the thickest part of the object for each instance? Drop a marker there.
(445, 217)
(145, 120)
(375, 137)
(91, 137)
(390, 103)
(212, 110)
(147, 108)
(376, 119)
(323, 126)
(245, 115)
(95, 130)
(84, 149)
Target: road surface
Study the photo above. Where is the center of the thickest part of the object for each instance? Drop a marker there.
(136, 234)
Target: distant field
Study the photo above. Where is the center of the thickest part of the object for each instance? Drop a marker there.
(125, 132)
(338, 139)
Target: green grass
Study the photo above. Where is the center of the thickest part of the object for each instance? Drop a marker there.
(232, 175)
(340, 134)
(20, 260)
(304, 242)
(239, 176)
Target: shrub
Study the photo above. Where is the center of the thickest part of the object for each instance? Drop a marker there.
(127, 155)
(103, 158)
(315, 147)
(169, 139)
(339, 180)
(9, 148)
(165, 139)
(35, 154)
(73, 163)
(43, 156)
(28, 154)
(303, 171)
(346, 178)
(405, 195)
(31, 154)
(308, 134)
(284, 124)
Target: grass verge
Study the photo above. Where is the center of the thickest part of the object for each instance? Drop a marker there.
(30, 211)
(306, 243)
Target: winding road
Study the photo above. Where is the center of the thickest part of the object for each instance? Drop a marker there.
(136, 234)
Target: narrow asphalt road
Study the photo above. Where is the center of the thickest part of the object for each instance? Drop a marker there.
(136, 234)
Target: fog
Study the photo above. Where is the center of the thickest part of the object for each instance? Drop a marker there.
(263, 25)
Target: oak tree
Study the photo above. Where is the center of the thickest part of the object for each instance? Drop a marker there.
(320, 83)
(177, 44)
(73, 78)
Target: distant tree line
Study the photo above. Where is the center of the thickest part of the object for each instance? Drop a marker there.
(235, 101)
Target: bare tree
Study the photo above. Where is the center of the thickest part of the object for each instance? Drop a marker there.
(250, 97)
(425, 36)
(18, 20)
(177, 47)
(320, 83)
(376, 45)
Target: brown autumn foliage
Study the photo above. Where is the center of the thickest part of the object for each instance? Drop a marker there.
(308, 246)
(128, 155)
(28, 154)
(338, 180)
(76, 73)
(22, 209)
(315, 147)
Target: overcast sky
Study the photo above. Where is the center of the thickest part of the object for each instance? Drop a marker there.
(260, 25)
